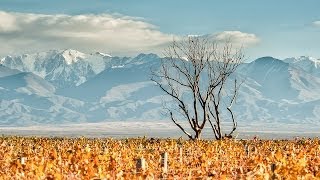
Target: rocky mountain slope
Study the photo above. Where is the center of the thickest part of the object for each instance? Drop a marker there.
(69, 86)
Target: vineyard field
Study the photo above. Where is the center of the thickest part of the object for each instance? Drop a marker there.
(143, 158)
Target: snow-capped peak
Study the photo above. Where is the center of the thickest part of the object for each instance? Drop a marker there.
(72, 56)
(301, 58)
(304, 61)
(2, 60)
(102, 54)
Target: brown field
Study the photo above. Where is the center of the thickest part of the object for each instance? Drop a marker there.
(82, 158)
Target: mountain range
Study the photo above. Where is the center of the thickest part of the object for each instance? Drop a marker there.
(68, 86)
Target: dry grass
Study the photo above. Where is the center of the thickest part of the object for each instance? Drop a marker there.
(82, 158)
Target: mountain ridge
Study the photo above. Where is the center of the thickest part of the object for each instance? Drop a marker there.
(119, 88)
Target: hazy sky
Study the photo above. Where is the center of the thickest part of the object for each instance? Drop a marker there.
(276, 28)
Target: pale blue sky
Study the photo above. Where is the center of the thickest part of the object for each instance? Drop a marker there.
(284, 28)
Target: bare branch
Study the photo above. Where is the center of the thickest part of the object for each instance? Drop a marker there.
(194, 73)
(182, 129)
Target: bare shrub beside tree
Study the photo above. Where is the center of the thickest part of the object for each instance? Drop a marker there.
(195, 72)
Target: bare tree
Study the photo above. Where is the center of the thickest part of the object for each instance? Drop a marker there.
(194, 73)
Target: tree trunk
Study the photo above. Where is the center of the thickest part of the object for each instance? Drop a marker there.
(197, 135)
(201, 68)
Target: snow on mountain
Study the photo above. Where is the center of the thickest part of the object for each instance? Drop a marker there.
(133, 70)
(308, 64)
(69, 68)
(26, 110)
(119, 88)
(123, 92)
(63, 68)
(275, 90)
(20, 91)
(71, 56)
(101, 54)
(27, 83)
(281, 80)
(4, 71)
(271, 74)
(303, 60)
(27, 99)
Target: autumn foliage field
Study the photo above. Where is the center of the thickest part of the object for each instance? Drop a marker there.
(83, 158)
